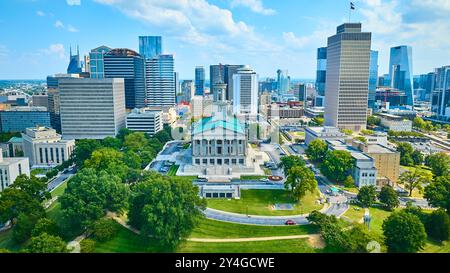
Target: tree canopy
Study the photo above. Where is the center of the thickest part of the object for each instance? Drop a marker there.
(337, 165)
(414, 180)
(389, 197)
(367, 196)
(437, 193)
(317, 150)
(439, 163)
(300, 180)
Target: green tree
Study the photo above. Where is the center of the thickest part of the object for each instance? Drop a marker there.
(299, 181)
(406, 151)
(4, 250)
(389, 197)
(163, 136)
(87, 246)
(417, 157)
(132, 160)
(83, 150)
(165, 208)
(135, 141)
(367, 196)
(348, 132)
(367, 132)
(108, 159)
(337, 165)
(288, 162)
(89, 195)
(35, 187)
(414, 180)
(317, 150)
(318, 120)
(15, 201)
(439, 163)
(361, 138)
(404, 232)
(349, 182)
(46, 243)
(437, 193)
(419, 123)
(45, 225)
(373, 121)
(438, 225)
(112, 142)
(23, 227)
(103, 230)
(123, 133)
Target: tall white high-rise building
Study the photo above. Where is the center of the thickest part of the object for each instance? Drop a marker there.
(160, 81)
(347, 77)
(92, 108)
(245, 91)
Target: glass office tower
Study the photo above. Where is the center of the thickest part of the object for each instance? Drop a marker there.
(150, 46)
(321, 75)
(97, 67)
(160, 81)
(199, 81)
(373, 77)
(400, 71)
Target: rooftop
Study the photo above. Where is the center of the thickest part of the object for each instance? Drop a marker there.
(15, 140)
(379, 149)
(210, 123)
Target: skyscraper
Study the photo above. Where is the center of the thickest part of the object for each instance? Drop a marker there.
(440, 101)
(300, 93)
(400, 71)
(230, 70)
(373, 78)
(188, 90)
(96, 62)
(128, 64)
(92, 108)
(160, 81)
(74, 63)
(199, 81)
(283, 82)
(321, 75)
(347, 77)
(245, 91)
(150, 46)
(216, 74)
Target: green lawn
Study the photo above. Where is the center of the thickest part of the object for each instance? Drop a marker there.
(436, 247)
(252, 177)
(128, 242)
(38, 171)
(280, 246)
(423, 168)
(173, 170)
(208, 228)
(356, 213)
(259, 202)
(59, 190)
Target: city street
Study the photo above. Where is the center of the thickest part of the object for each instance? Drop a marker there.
(60, 179)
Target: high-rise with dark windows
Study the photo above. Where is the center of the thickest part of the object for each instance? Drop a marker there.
(150, 46)
(160, 81)
(199, 81)
(373, 78)
(400, 71)
(321, 75)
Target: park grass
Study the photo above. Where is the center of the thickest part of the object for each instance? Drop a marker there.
(275, 246)
(436, 247)
(259, 202)
(38, 171)
(173, 170)
(59, 190)
(416, 193)
(252, 177)
(208, 228)
(355, 213)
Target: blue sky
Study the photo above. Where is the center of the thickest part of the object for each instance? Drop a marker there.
(35, 35)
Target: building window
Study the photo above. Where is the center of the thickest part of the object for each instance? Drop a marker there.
(51, 155)
(205, 161)
(233, 160)
(46, 155)
(241, 161)
(197, 161)
(62, 155)
(229, 195)
(208, 195)
(219, 161)
(57, 155)
(219, 150)
(215, 195)
(20, 169)
(40, 155)
(211, 161)
(222, 195)
(227, 161)
(219, 141)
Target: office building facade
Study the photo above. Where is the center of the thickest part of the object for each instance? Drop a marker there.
(147, 121)
(150, 46)
(92, 108)
(199, 81)
(400, 71)
(373, 78)
(440, 100)
(321, 75)
(347, 77)
(160, 81)
(129, 65)
(230, 71)
(245, 93)
(97, 63)
(283, 82)
(18, 118)
(11, 168)
(45, 148)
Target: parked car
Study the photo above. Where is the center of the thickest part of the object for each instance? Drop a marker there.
(290, 223)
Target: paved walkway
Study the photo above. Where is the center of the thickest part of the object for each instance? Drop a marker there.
(74, 246)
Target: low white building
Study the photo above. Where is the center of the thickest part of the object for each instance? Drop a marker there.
(45, 148)
(395, 123)
(147, 121)
(323, 133)
(11, 168)
(364, 172)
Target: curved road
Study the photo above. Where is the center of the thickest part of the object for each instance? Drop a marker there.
(337, 206)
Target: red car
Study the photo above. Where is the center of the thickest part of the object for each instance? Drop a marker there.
(290, 223)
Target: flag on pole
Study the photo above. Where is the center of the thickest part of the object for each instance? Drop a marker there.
(352, 6)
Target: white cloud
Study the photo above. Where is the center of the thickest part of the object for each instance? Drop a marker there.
(56, 50)
(254, 5)
(40, 13)
(71, 28)
(194, 21)
(59, 24)
(73, 2)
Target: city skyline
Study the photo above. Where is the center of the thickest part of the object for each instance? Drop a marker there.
(255, 34)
